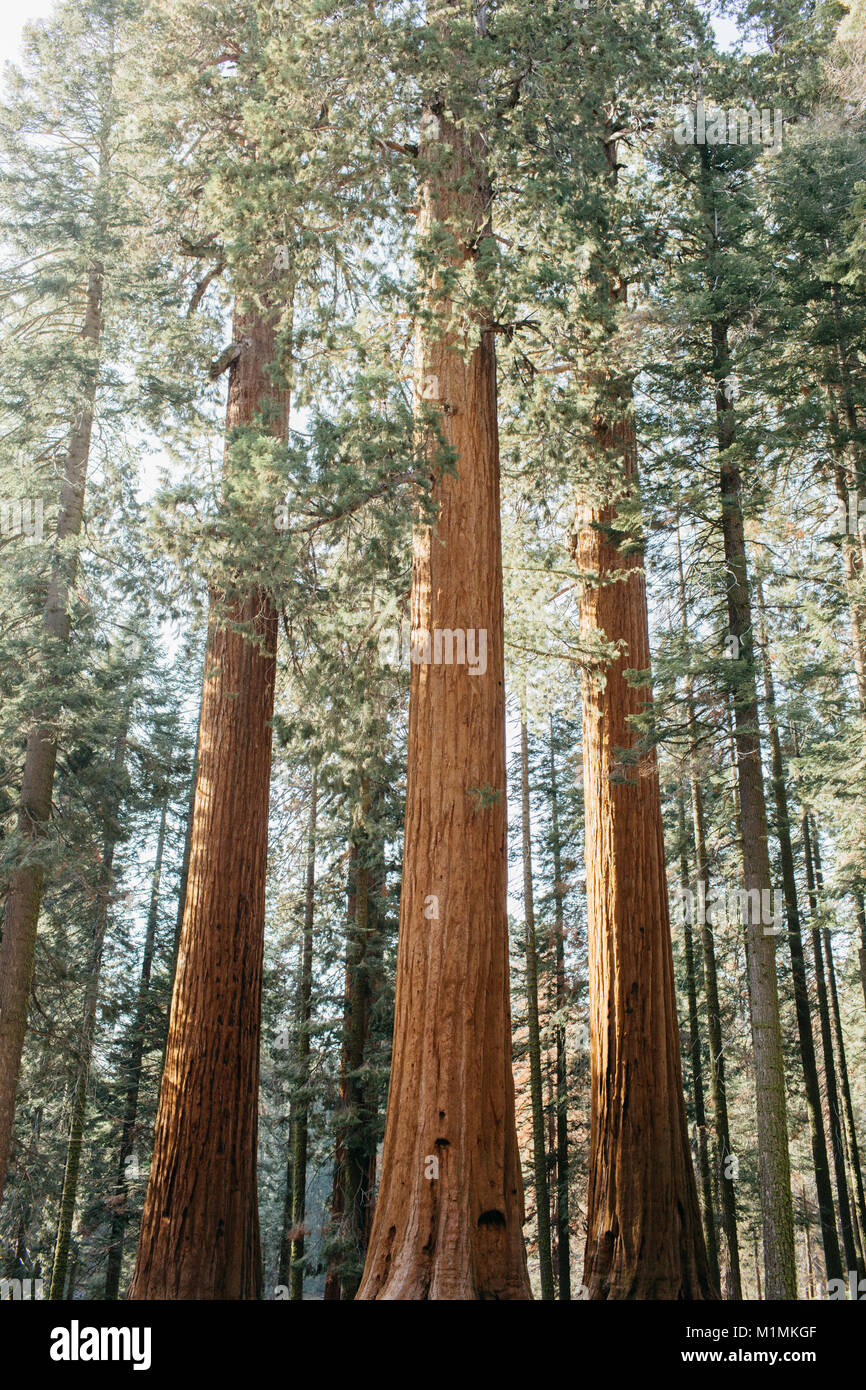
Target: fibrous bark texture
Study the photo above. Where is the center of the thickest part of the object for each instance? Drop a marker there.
(449, 1219)
(200, 1229)
(644, 1233)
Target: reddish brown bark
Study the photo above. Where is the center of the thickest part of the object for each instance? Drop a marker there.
(457, 1235)
(200, 1231)
(644, 1233)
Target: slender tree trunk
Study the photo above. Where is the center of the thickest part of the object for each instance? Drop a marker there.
(24, 895)
(355, 1149)
(718, 1082)
(285, 1260)
(563, 1226)
(695, 1058)
(73, 1273)
(772, 1123)
(836, 1141)
(200, 1229)
(120, 1200)
(448, 1224)
(301, 1108)
(861, 923)
(853, 1147)
(644, 1234)
(539, 1146)
(69, 1193)
(853, 582)
(820, 1162)
(810, 1264)
(357, 1140)
(335, 1275)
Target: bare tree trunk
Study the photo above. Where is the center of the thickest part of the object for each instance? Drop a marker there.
(861, 923)
(644, 1234)
(119, 1205)
(353, 980)
(820, 1162)
(448, 1224)
(301, 1108)
(539, 1146)
(853, 582)
(772, 1123)
(355, 1147)
(853, 1147)
(836, 1140)
(810, 1264)
(563, 1225)
(718, 1082)
(200, 1230)
(695, 1059)
(69, 1193)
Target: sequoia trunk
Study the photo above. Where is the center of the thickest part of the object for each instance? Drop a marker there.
(644, 1233)
(449, 1219)
(200, 1230)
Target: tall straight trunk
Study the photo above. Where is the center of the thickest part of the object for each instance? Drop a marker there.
(301, 1107)
(563, 1225)
(644, 1234)
(718, 1082)
(851, 561)
(24, 893)
(774, 1164)
(539, 1146)
(284, 1263)
(695, 1060)
(844, 1085)
(355, 1146)
(846, 1225)
(644, 1237)
(120, 1198)
(449, 1219)
(847, 392)
(340, 1246)
(73, 1273)
(357, 1140)
(810, 1263)
(820, 1161)
(200, 1228)
(860, 907)
(72, 1167)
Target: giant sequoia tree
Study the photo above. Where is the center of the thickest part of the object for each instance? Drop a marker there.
(448, 1223)
(200, 1226)
(644, 1233)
